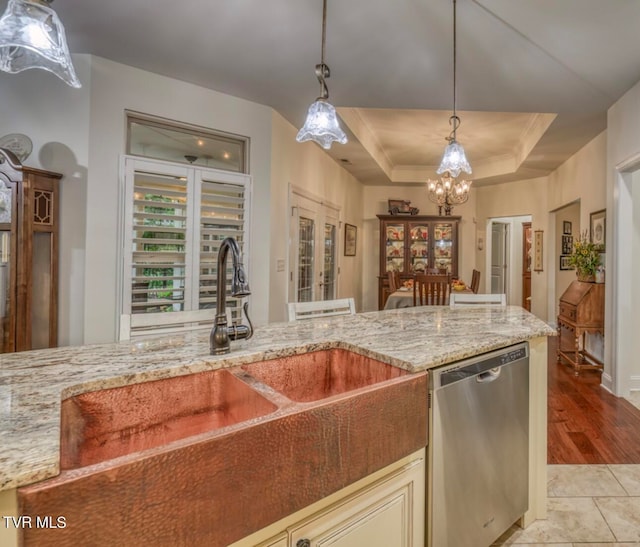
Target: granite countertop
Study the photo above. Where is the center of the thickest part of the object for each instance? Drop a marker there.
(32, 384)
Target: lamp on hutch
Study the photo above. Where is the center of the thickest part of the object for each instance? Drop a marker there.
(448, 191)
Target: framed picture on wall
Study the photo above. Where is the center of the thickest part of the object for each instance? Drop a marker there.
(567, 245)
(597, 227)
(538, 252)
(566, 227)
(350, 238)
(564, 263)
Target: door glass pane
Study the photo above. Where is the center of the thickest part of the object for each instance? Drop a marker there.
(6, 335)
(419, 247)
(41, 290)
(305, 259)
(329, 281)
(395, 247)
(443, 246)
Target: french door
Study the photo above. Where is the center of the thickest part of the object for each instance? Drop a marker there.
(313, 250)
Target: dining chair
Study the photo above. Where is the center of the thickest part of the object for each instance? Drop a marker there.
(394, 281)
(431, 290)
(472, 299)
(321, 308)
(475, 281)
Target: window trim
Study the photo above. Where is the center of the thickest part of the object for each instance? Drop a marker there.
(195, 175)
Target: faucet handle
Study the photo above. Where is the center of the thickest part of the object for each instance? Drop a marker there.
(238, 331)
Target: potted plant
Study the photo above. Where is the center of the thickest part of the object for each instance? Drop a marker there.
(585, 258)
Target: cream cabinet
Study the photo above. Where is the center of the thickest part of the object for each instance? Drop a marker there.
(386, 508)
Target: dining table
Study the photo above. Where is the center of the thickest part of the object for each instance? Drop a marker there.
(403, 298)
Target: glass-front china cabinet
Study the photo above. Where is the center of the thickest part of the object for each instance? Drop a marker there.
(416, 244)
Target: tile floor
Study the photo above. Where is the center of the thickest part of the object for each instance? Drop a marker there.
(589, 505)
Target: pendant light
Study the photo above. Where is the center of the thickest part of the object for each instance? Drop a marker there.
(322, 124)
(454, 160)
(32, 36)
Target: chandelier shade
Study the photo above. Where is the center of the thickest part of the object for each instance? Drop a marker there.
(321, 124)
(32, 36)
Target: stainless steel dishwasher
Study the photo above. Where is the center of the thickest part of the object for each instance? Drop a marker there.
(477, 478)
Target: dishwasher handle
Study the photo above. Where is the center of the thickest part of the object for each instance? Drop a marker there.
(489, 375)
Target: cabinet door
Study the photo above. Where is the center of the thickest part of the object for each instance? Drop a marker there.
(444, 246)
(394, 246)
(419, 248)
(390, 513)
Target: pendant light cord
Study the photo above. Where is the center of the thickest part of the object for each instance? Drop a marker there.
(322, 70)
(453, 120)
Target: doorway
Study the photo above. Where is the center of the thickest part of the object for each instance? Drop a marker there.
(313, 249)
(505, 260)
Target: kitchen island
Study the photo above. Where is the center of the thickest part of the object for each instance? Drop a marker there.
(33, 384)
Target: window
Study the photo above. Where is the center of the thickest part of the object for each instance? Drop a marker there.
(175, 217)
(160, 139)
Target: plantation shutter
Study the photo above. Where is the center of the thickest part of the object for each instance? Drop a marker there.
(175, 219)
(222, 214)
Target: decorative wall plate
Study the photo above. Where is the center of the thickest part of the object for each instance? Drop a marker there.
(17, 143)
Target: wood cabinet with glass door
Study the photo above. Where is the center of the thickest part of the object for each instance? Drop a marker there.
(415, 244)
(28, 255)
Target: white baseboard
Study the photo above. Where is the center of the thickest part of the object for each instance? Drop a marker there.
(634, 383)
(607, 382)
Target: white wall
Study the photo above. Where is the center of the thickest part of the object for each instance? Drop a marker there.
(622, 344)
(116, 88)
(563, 278)
(375, 203)
(56, 118)
(523, 198)
(82, 134)
(307, 166)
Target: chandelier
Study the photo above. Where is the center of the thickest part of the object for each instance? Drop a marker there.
(448, 191)
(322, 124)
(32, 36)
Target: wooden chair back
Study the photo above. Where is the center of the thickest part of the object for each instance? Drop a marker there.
(471, 299)
(431, 290)
(321, 308)
(394, 281)
(475, 281)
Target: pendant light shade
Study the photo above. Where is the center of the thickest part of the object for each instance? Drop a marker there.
(322, 124)
(32, 36)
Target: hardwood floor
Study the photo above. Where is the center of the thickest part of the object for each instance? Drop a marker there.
(586, 423)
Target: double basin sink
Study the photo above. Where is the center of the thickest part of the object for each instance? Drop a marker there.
(231, 450)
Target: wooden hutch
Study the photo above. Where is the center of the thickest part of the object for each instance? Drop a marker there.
(411, 244)
(28, 256)
(581, 312)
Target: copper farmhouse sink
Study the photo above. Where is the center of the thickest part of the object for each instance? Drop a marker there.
(101, 425)
(211, 457)
(320, 374)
